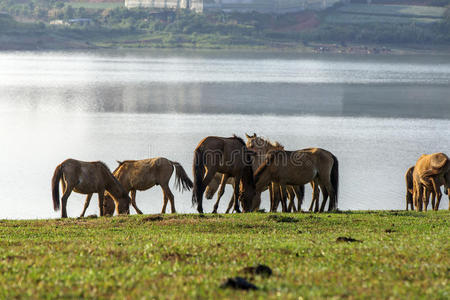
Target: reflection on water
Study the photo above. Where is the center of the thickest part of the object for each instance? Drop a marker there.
(133, 105)
(150, 82)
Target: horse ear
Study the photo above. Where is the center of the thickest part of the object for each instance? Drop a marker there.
(254, 134)
(247, 136)
(119, 162)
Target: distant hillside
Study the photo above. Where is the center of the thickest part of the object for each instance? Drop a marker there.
(54, 25)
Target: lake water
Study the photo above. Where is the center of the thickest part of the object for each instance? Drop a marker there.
(377, 114)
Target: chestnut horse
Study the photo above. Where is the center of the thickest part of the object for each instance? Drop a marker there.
(430, 172)
(141, 175)
(87, 178)
(229, 156)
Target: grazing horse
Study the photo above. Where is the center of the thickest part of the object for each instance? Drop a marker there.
(262, 146)
(300, 167)
(446, 182)
(229, 156)
(87, 178)
(141, 175)
(430, 172)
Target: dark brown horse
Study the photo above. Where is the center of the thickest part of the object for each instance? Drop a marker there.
(229, 156)
(141, 175)
(409, 188)
(300, 167)
(87, 178)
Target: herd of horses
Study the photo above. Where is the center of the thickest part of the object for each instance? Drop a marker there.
(249, 167)
(425, 179)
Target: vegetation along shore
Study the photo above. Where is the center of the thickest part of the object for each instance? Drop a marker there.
(383, 27)
(377, 254)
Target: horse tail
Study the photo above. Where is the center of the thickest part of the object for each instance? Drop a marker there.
(55, 186)
(335, 180)
(182, 180)
(198, 169)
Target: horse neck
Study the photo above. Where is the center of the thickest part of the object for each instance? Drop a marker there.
(113, 186)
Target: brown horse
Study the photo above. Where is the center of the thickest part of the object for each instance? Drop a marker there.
(409, 187)
(141, 175)
(229, 156)
(87, 178)
(300, 167)
(278, 194)
(430, 172)
(262, 146)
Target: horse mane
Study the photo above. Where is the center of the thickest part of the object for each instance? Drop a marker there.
(268, 160)
(239, 139)
(108, 171)
(121, 163)
(275, 144)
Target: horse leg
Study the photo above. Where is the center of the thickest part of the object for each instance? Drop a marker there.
(230, 204)
(313, 186)
(416, 196)
(426, 199)
(86, 204)
(272, 200)
(282, 195)
(275, 196)
(223, 183)
(420, 199)
(299, 191)
(237, 182)
(210, 173)
(64, 198)
(101, 200)
(133, 201)
(329, 192)
(407, 197)
(165, 199)
(436, 193)
(171, 198)
(291, 196)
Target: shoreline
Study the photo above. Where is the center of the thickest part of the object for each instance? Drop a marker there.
(55, 42)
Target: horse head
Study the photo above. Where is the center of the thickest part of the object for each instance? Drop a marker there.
(247, 189)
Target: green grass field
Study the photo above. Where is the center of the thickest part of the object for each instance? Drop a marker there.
(397, 255)
(95, 5)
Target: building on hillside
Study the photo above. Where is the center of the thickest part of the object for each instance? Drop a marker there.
(263, 6)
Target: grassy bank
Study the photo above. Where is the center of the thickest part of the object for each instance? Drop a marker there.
(395, 255)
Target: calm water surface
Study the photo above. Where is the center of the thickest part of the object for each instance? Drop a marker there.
(377, 114)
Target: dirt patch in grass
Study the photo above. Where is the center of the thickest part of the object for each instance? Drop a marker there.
(282, 219)
(238, 283)
(175, 256)
(344, 239)
(153, 218)
(261, 270)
